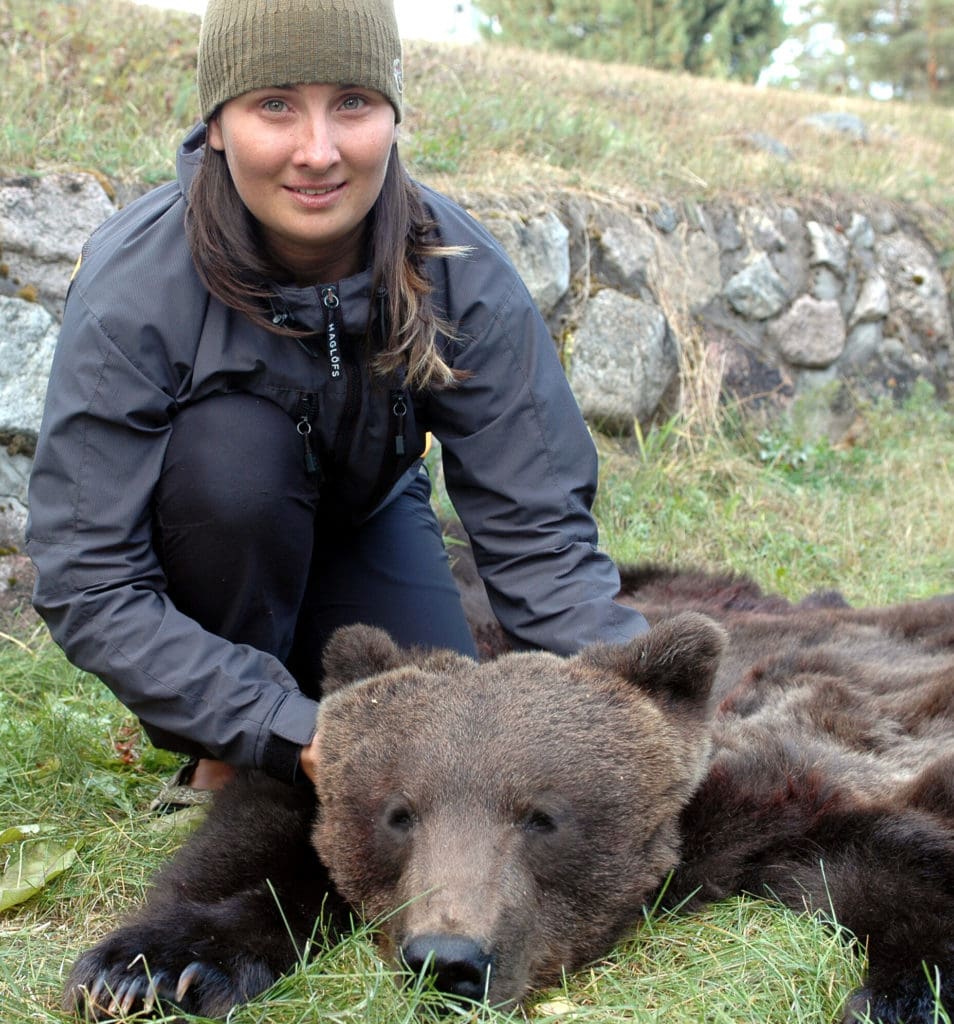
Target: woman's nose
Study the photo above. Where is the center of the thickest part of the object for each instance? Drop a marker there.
(317, 143)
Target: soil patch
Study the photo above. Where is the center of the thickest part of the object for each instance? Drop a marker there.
(17, 617)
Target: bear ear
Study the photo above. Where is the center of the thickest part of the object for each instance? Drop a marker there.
(676, 661)
(356, 652)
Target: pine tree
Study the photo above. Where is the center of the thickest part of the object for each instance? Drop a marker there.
(907, 45)
(723, 38)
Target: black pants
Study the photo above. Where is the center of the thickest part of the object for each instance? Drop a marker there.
(250, 553)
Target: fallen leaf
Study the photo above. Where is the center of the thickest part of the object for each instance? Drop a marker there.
(31, 866)
(555, 1008)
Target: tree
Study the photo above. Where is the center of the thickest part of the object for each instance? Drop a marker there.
(722, 38)
(902, 46)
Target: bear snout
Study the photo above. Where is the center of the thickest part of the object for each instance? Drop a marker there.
(457, 964)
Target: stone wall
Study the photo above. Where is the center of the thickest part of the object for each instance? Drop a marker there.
(765, 302)
(770, 300)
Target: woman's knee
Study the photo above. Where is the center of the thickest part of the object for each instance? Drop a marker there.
(234, 520)
(235, 461)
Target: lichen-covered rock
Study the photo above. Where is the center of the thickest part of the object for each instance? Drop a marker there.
(27, 339)
(757, 291)
(539, 249)
(810, 334)
(623, 361)
(43, 225)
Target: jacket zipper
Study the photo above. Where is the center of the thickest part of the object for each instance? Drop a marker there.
(396, 396)
(308, 408)
(342, 364)
(399, 412)
(331, 302)
(397, 436)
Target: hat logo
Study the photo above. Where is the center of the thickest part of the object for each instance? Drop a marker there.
(398, 71)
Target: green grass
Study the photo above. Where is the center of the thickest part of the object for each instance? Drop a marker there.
(870, 516)
(104, 88)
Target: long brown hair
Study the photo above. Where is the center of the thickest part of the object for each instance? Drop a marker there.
(227, 250)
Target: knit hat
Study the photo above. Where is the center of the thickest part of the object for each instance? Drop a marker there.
(254, 44)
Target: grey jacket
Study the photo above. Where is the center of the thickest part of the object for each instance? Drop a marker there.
(142, 337)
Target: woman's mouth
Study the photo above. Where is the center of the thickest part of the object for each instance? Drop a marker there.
(316, 197)
(323, 191)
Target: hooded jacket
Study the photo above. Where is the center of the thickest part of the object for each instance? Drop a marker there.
(142, 338)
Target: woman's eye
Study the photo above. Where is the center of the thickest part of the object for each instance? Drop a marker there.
(275, 106)
(353, 102)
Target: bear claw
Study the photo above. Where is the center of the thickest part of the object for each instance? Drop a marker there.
(187, 978)
(152, 993)
(126, 995)
(111, 981)
(141, 991)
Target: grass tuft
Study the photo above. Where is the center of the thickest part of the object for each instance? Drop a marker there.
(869, 516)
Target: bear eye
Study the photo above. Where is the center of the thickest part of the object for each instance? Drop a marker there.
(400, 819)
(539, 821)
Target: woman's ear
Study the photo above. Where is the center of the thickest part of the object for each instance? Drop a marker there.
(213, 133)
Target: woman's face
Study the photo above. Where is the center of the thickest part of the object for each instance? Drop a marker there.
(308, 161)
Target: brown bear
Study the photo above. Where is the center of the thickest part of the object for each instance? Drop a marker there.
(508, 820)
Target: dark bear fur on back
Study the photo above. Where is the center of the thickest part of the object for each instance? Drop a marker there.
(509, 820)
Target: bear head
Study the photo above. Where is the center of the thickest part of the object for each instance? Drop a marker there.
(508, 820)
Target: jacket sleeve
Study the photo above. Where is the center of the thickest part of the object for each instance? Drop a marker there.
(100, 586)
(521, 467)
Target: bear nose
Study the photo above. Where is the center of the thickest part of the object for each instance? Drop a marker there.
(457, 964)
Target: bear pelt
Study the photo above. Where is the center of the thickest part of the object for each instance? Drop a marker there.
(507, 820)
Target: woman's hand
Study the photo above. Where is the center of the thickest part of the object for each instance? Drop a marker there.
(309, 760)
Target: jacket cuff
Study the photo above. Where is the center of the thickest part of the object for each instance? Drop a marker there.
(292, 727)
(281, 759)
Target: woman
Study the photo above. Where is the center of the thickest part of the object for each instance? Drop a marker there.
(229, 465)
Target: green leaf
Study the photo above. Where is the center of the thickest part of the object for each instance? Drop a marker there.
(17, 833)
(30, 867)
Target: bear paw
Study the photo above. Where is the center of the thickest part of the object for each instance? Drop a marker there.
(909, 1001)
(125, 974)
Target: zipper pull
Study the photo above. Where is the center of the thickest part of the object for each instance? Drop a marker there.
(280, 315)
(399, 411)
(312, 465)
(382, 296)
(331, 302)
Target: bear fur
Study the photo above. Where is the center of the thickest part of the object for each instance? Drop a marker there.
(508, 820)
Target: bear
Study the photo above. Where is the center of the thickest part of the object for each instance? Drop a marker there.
(509, 820)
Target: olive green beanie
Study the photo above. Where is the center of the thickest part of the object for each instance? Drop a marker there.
(254, 44)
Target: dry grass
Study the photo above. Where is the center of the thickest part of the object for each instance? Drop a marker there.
(659, 134)
(108, 85)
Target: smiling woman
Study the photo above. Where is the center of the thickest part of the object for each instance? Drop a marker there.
(308, 161)
(251, 358)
